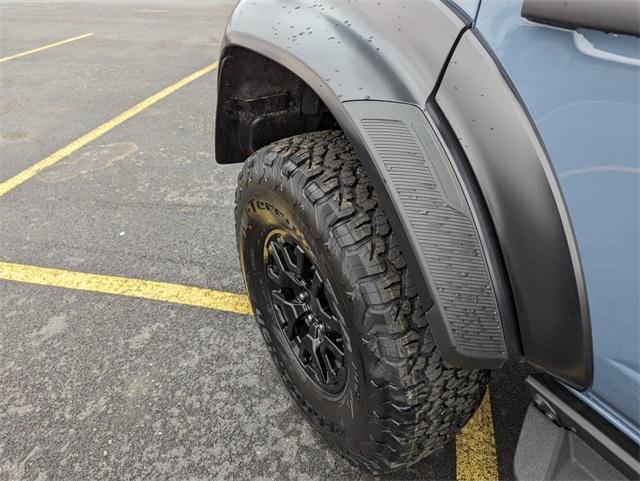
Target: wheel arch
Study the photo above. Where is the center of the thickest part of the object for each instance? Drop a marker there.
(275, 79)
(328, 110)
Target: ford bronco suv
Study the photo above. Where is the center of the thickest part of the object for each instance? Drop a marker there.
(432, 189)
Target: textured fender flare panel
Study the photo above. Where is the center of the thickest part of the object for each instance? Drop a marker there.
(527, 208)
(445, 229)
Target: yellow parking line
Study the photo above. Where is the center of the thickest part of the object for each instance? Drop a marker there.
(45, 47)
(476, 447)
(26, 174)
(122, 286)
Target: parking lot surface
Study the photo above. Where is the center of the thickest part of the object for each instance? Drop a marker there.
(99, 380)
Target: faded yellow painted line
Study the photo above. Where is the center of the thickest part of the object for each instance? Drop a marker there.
(45, 47)
(123, 286)
(476, 447)
(26, 174)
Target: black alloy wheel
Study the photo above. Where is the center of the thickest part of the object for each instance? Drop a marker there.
(304, 314)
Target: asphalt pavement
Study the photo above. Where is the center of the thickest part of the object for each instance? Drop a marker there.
(104, 386)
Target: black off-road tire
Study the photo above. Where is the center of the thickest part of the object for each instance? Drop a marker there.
(397, 400)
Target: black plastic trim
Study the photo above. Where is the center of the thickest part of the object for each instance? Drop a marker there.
(461, 14)
(608, 441)
(430, 99)
(455, 351)
(493, 252)
(526, 205)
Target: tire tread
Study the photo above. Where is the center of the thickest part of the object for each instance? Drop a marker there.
(420, 402)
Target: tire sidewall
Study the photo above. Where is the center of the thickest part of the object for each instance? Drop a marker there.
(263, 209)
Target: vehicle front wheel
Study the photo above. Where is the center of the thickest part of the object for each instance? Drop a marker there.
(338, 309)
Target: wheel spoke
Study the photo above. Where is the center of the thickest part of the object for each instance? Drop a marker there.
(304, 314)
(301, 261)
(325, 316)
(331, 375)
(280, 272)
(289, 313)
(294, 265)
(279, 278)
(275, 249)
(316, 284)
(329, 345)
(276, 271)
(316, 362)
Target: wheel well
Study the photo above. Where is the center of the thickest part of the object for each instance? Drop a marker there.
(259, 102)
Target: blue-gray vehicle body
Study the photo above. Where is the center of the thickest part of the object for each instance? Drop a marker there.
(561, 187)
(582, 89)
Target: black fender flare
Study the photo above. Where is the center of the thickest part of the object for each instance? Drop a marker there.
(352, 51)
(522, 193)
(523, 291)
(371, 82)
